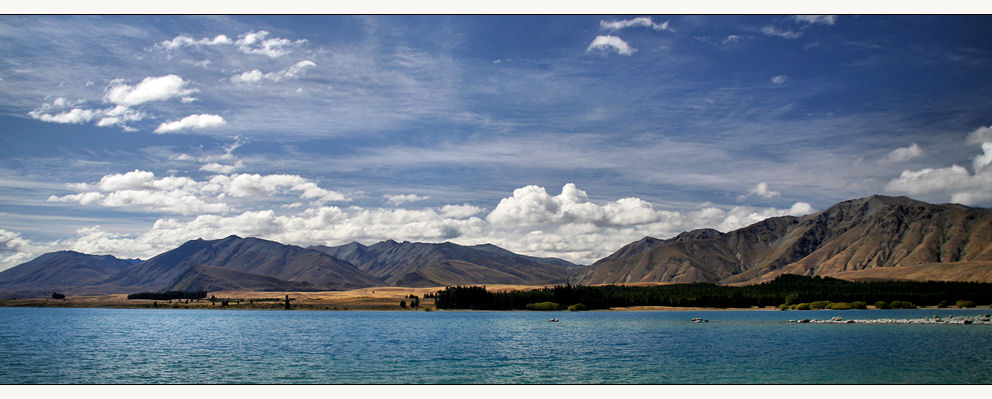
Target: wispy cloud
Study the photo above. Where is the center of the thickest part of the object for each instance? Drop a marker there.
(255, 75)
(253, 42)
(779, 79)
(257, 43)
(816, 19)
(401, 199)
(635, 22)
(770, 30)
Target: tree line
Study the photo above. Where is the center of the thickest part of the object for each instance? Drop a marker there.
(786, 289)
(169, 295)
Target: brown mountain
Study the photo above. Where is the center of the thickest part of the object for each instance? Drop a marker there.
(246, 263)
(62, 271)
(415, 264)
(870, 238)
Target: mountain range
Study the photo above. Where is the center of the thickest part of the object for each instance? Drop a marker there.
(870, 238)
(874, 238)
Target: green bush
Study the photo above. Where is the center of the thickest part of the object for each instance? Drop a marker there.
(543, 306)
(902, 305)
(859, 305)
(882, 305)
(942, 304)
(801, 306)
(965, 304)
(577, 307)
(819, 304)
(839, 306)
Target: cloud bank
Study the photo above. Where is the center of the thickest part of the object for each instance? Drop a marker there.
(955, 183)
(530, 221)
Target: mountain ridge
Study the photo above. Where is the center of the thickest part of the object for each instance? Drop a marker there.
(853, 235)
(433, 264)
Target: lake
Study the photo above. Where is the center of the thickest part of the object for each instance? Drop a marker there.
(138, 346)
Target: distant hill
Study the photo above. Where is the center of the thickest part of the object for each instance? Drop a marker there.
(870, 238)
(241, 260)
(57, 271)
(423, 264)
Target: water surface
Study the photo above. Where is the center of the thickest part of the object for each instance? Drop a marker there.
(112, 346)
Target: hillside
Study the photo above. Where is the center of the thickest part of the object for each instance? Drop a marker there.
(423, 264)
(252, 256)
(56, 271)
(884, 233)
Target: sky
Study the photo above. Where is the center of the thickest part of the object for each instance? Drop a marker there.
(548, 135)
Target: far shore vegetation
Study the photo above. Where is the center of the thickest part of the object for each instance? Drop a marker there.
(785, 292)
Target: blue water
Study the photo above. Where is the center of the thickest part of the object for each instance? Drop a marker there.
(112, 346)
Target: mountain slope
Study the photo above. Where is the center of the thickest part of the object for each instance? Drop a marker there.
(60, 271)
(425, 264)
(867, 233)
(253, 256)
(214, 278)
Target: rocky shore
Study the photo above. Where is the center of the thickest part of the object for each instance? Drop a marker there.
(981, 319)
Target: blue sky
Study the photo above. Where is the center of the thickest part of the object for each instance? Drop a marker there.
(564, 136)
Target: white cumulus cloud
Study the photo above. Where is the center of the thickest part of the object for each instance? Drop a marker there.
(760, 190)
(609, 43)
(980, 135)
(192, 122)
(955, 182)
(903, 154)
(150, 89)
(184, 41)
(780, 79)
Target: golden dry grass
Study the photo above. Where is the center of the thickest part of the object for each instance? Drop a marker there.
(374, 298)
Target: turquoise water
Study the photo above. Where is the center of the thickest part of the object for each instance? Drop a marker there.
(113, 346)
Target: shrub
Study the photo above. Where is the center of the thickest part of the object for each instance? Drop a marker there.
(56, 295)
(543, 306)
(942, 304)
(902, 305)
(819, 304)
(882, 305)
(839, 306)
(859, 305)
(801, 306)
(577, 307)
(965, 304)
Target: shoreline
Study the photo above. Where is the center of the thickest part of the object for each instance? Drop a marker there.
(386, 298)
(119, 301)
